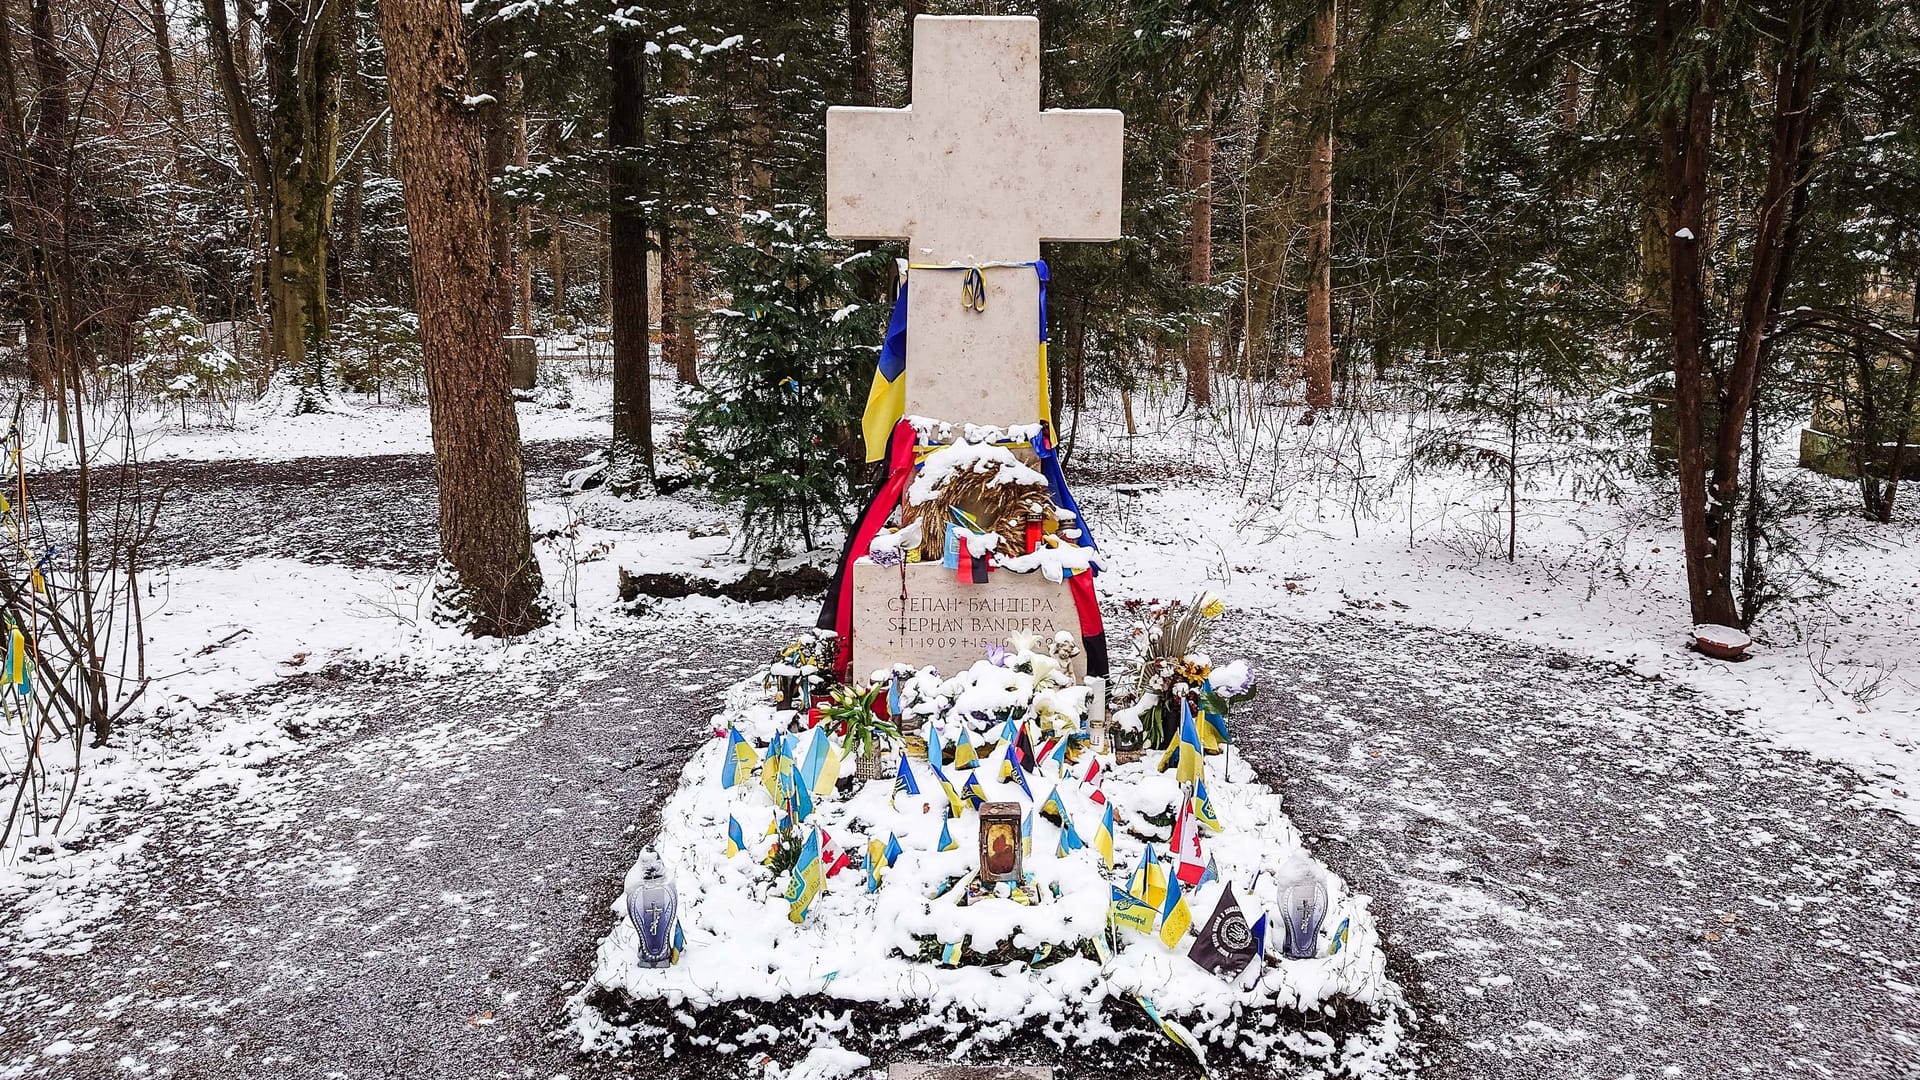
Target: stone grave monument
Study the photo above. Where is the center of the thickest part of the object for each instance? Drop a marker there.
(973, 175)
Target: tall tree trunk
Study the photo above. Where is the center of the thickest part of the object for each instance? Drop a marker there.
(556, 224)
(679, 341)
(1266, 241)
(169, 86)
(303, 136)
(557, 261)
(357, 107)
(678, 335)
(1810, 24)
(228, 51)
(1906, 418)
(860, 45)
(1686, 134)
(1317, 87)
(38, 146)
(522, 220)
(1200, 248)
(632, 461)
(489, 579)
(497, 118)
(1710, 455)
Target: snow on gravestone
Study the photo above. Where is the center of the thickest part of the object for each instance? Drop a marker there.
(972, 173)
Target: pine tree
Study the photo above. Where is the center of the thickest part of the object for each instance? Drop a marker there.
(776, 429)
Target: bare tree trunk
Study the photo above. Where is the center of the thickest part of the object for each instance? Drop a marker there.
(303, 137)
(1200, 249)
(678, 334)
(679, 339)
(38, 144)
(489, 577)
(1686, 134)
(860, 44)
(522, 220)
(1910, 397)
(632, 461)
(1710, 460)
(556, 226)
(357, 106)
(557, 261)
(1317, 87)
(1266, 241)
(490, 71)
(169, 85)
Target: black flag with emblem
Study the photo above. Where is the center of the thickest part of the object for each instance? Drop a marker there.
(1226, 944)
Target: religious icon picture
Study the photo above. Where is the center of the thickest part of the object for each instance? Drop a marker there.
(999, 842)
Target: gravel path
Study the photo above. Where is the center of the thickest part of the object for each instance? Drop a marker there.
(408, 898)
(1580, 873)
(376, 512)
(1584, 874)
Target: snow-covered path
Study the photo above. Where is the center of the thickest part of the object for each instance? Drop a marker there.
(1584, 874)
(405, 899)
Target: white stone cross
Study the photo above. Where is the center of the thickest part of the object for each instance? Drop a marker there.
(974, 172)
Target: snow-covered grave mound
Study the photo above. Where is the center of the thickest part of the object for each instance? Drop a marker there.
(926, 963)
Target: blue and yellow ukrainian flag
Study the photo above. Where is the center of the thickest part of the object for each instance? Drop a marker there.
(1184, 754)
(1018, 775)
(736, 841)
(740, 761)
(1149, 880)
(903, 780)
(1213, 731)
(973, 793)
(1103, 837)
(964, 755)
(1069, 838)
(805, 884)
(1202, 806)
(1175, 918)
(773, 773)
(876, 862)
(887, 399)
(798, 798)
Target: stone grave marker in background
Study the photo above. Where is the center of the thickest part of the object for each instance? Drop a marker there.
(523, 362)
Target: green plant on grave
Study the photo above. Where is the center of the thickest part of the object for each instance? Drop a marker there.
(849, 713)
(786, 848)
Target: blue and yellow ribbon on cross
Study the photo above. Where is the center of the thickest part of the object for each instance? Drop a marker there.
(887, 397)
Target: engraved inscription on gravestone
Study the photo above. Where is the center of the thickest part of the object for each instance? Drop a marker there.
(917, 613)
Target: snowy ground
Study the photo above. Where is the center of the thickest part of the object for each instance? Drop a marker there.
(1593, 854)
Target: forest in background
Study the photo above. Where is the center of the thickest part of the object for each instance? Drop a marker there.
(1589, 234)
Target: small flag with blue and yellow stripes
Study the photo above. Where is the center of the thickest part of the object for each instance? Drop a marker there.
(740, 760)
